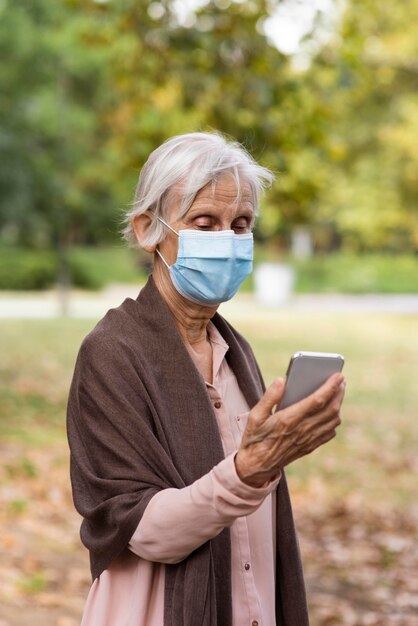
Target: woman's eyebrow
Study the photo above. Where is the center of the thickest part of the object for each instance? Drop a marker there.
(246, 212)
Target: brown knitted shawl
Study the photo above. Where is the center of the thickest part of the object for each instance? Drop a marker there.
(140, 420)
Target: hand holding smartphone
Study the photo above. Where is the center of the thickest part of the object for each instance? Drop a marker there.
(306, 372)
(283, 439)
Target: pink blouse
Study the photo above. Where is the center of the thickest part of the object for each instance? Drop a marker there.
(177, 521)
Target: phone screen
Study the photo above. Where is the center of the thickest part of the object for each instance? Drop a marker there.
(306, 372)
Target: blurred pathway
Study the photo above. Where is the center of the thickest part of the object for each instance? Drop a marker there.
(93, 305)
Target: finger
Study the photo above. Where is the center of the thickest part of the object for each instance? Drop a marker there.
(271, 397)
(319, 399)
(339, 397)
(332, 384)
(335, 402)
(328, 414)
(316, 438)
(316, 409)
(328, 432)
(303, 448)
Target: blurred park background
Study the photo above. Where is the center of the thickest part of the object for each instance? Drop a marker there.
(325, 93)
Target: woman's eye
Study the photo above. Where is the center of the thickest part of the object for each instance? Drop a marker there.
(203, 224)
(241, 226)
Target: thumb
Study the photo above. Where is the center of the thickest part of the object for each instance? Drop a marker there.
(271, 397)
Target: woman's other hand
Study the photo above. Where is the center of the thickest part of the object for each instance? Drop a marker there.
(272, 441)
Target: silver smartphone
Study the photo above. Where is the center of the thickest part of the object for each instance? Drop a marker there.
(306, 372)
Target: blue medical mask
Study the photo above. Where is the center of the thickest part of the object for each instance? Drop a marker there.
(210, 265)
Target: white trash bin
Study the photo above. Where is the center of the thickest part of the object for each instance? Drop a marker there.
(274, 283)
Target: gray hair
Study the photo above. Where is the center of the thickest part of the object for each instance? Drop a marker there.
(186, 164)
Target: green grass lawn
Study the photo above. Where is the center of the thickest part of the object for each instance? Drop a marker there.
(374, 457)
(379, 435)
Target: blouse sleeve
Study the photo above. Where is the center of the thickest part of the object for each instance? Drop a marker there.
(177, 521)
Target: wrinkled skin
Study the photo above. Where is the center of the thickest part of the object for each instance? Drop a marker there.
(273, 440)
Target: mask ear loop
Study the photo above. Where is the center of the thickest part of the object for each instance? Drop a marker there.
(156, 249)
(162, 258)
(168, 225)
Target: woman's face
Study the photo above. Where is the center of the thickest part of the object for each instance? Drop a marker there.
(213, 209)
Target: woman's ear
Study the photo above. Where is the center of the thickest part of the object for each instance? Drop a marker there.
(140, 224)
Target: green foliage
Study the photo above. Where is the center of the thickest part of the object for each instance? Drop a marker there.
(112, 264)
(91, 88)
(26, 269)
(89, 268)
(53, 169)
(94, 268)
(82, 277)
(370, 74)
(349, 273)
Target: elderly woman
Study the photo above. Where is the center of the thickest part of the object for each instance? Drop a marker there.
(177, 452)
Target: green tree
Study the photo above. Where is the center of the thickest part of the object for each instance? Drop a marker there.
(370, 74)
(91, 88)
(53, 171)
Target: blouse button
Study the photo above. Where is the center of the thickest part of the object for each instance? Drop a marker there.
(254, 622)
(247, 566)
(218, 404)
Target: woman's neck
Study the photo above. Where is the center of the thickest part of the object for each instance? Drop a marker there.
(191, 319)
